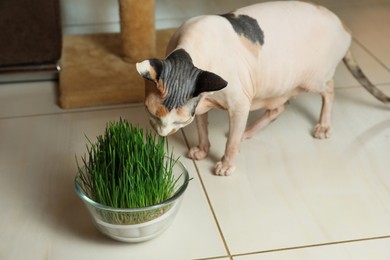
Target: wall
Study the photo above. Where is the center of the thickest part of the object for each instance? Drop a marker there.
(96, 16)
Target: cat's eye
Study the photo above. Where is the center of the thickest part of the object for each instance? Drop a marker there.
(156, 122)
(155, 119)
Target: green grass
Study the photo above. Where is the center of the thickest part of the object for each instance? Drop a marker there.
(127, 167)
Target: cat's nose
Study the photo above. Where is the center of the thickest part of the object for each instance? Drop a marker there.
(160, 131)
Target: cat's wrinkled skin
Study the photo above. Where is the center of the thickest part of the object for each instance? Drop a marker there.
(255, 57)
(173, 89)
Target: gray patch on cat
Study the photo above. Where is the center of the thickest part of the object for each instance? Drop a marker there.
(246, 26)
(179, 76)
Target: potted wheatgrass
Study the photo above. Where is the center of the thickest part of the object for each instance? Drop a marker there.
(131, 186)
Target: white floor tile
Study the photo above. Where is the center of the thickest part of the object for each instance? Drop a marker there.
(373, 69)
(22, 99)
(363, 250)
(291, 190)
(43, 216)
(37, 98)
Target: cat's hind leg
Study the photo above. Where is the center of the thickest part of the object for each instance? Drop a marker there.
(323, 129)
(202, 149)
(266, 118)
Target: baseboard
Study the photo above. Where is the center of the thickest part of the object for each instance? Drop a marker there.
(27, 73)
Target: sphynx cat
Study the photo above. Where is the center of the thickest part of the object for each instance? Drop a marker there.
(255, 57)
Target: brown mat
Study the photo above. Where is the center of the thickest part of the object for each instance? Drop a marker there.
(93, 72)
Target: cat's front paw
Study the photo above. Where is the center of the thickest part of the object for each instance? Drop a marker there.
(224, 168)
(197, 153)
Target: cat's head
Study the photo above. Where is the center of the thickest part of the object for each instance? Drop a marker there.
(173, 89)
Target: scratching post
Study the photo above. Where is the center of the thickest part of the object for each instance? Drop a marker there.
(99, 69)
(137, 29)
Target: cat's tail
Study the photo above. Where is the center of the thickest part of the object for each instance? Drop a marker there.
(354, 68)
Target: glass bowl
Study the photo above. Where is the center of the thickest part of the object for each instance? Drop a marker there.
(136, 224)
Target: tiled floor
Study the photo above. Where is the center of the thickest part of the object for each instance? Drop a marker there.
(291, 197)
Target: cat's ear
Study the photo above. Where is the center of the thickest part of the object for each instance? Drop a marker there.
(209, 82)
(150, 69)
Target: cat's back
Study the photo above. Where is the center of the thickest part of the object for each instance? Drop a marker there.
(266, 23)
(198, 31)
(266, 41)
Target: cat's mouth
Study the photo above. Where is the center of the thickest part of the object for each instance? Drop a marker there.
(161, 132)
(174, 130)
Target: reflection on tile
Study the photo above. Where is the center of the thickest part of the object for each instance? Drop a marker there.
(291, 190)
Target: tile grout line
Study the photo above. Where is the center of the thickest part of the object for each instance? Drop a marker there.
(213, 258)
(76, 111)
(358, 85)
(209, 202)
(371, 54)
(313, 245)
